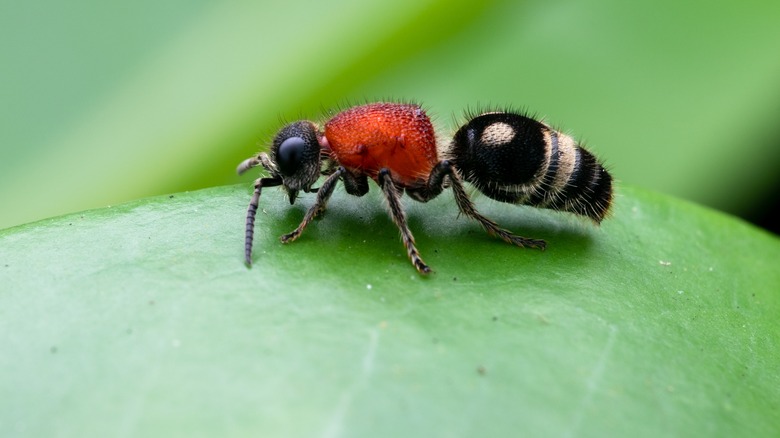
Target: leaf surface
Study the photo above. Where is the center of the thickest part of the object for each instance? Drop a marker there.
(141, 319)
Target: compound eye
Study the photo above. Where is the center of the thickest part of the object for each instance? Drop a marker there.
(290, 155)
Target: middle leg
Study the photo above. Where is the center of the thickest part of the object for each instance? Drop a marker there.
(399, 217)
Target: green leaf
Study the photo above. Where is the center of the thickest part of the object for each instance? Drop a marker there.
(142, 320)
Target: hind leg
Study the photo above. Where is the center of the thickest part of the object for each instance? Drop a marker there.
(436, 183)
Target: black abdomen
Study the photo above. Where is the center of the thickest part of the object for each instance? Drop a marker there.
(513, 158)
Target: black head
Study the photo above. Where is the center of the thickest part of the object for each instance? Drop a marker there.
(296, 154)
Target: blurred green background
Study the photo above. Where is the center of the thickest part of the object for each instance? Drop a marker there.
(103, 103)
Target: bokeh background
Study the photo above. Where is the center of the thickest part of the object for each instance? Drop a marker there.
(106, 102)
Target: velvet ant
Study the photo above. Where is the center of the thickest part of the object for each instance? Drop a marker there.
(506, 155)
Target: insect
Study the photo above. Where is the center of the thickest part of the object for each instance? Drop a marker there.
(504, 154)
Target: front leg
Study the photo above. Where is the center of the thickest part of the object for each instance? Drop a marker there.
(399, 217)
(261, 159)
(436, 182)
(323, 194)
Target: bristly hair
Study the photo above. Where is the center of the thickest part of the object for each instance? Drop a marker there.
(345, 104)
(473, 111)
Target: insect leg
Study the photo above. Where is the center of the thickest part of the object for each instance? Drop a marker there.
(247, 164)
(355, 185)
(323, 194)
(252, 211)
(258, 160)
(399, 217)
(435, 183)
